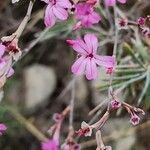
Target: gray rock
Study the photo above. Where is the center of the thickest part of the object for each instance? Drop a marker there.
(40, 82)
(125, 143)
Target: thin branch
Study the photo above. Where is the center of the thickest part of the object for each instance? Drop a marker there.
(72, 106)
(116, 135)
(28, 125)
(25, 20)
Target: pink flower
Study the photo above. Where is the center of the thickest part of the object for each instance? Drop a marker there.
(85, 130)
(86, 15)
(49, 145)
(134, 119)
(141, 21)
(3, 127)
(113, 2)
(122, 23)
(109, 71)
(115, 104)
(88, 60)
(56, 9)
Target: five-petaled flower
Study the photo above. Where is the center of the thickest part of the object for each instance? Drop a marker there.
(88, 61)
(141, 21)
(113, 2)
(115, 104)
(56, 9)
(86, 15)
(122, 23)
(135, 119)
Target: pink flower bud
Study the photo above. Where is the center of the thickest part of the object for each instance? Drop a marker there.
(109, 71)
(70, 42)
(92, 2)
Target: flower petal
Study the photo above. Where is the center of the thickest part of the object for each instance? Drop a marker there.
(60, 12)
(106, 61)
(2, 50)
(49, 145)
(78, 67)
(110, 2)
(49, 18)
(94, 17)
(10, 72)
(91, 69)
(64, 3)
(92, 43)
(85, 125)
(80, 47)
(2, 64)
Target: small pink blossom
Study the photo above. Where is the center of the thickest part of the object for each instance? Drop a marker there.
(109, 71)
(141, 21)
(122, 23)
(115, 104)
(3, 127)
(56, 9)
(85, 130)
(11, 46)
(49, 145)
(88, 61)
(86, 15)
(134, 119)
(113, 2)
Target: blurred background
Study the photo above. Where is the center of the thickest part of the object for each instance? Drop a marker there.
(40, 86)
